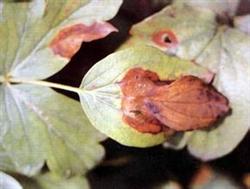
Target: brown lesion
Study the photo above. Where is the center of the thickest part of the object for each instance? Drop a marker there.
(150, 105)
(165, 38)
(68, 40)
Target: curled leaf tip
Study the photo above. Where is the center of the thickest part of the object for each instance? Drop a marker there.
(68, 40)
(153, 106)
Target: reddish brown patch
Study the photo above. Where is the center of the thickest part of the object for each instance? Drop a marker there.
(152, 106)
(68, 40)
(165, 38)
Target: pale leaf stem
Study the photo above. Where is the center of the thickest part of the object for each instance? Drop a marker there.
(46, 84)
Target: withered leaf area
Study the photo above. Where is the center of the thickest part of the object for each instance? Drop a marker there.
(152, 106)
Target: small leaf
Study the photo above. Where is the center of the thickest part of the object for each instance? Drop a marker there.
(40, 38)
(101, 96)
(150, 105)
(8, 182)
(52, 181)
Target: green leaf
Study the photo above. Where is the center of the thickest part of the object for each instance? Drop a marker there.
(39, 39)
(101, 94)
(52, 181)
(38, 125)
(8, 182)
(227, 55)
(199, 24)
(224, 51)
(220, 7)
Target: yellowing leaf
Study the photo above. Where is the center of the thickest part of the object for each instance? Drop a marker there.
(101, 93)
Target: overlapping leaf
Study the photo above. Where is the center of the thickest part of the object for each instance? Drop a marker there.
(193, 33)
(101, 93)
(38, 125)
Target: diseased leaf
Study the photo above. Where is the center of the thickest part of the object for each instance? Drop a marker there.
(40, 38)
(192, 33)
(38, 125)
(164, 30)
(101, 92)
(150, 105)
(8, 182)
(231, 63)
(52, 181)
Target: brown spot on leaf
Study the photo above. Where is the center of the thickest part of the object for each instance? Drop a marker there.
(68, 40)
(184, 104)
(165, 38)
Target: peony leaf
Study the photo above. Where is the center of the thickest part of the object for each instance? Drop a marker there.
(151, 105)
(52, 181)
(220, 7)
(164, 30)
(230, 62)
(40, 38)
(37, 125)
(8, 182)
(222, 50)
(101, 93)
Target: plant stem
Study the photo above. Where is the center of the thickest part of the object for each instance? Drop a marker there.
(47, 84)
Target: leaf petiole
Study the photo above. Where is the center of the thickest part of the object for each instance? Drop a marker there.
(45, 84)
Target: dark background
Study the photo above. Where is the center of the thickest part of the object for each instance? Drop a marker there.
(136, 168)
